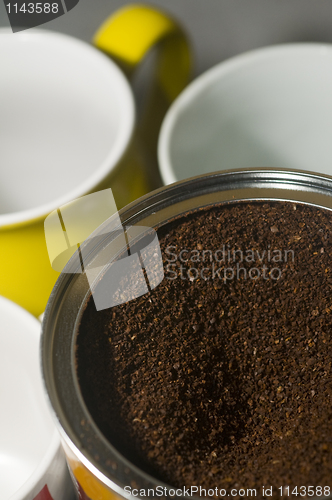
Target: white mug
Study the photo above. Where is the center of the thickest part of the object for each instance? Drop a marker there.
(33, 465)
(270, 107)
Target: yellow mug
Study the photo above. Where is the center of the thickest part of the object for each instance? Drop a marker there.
(68, 129)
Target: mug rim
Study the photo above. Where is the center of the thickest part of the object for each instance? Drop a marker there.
(210, 76)
(124, 133)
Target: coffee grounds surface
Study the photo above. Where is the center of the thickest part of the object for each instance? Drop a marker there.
(218, 377)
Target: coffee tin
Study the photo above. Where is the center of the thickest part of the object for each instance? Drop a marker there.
(98, 470)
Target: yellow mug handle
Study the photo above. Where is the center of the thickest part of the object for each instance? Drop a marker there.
(127, 36)
(132, 31)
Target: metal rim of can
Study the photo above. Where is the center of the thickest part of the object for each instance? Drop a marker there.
(60, 322)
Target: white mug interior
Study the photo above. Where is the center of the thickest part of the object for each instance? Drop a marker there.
(66, 118)
(271, 107)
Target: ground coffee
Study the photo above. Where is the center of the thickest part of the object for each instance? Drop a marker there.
(221, 376)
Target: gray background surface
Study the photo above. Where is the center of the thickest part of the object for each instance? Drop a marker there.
(218, 29)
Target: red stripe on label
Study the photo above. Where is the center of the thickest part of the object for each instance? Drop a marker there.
(44, 494)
